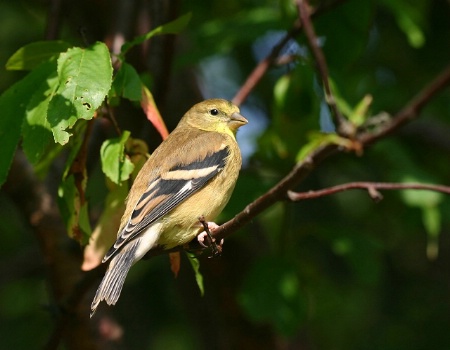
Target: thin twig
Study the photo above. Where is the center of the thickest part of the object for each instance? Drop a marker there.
(113, 119)
(53, 20)
(371, 187)
(260, 70)
(411, 109)
(342, 126)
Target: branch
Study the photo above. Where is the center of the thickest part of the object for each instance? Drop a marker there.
(260, 70)
(343, 127)
(371, 187)
(301, 170)
(411, 109)
(53, 20)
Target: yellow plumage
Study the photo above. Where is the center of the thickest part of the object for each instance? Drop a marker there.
(192, 173)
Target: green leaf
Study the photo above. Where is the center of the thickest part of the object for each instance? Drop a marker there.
(13, 104)
(431, 217)
(410, 19)
(115, 164)
(420, 198)
(36, 130)
(74, 214)
(319, 139)
(127, 84)
(85, 76)
(42, 166)
(84, 223)
(195, 263)
(359, 114)
(173, 27)
(342, 104)
(30, 56)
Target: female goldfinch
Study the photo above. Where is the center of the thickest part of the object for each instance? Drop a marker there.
(191, 174)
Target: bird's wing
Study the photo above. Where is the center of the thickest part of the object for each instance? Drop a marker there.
(167, 191)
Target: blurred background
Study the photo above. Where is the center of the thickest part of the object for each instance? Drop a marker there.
(338, 272)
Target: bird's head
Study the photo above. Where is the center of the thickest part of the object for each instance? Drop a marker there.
(215, 115)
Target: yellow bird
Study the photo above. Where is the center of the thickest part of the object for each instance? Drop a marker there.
(191, 174)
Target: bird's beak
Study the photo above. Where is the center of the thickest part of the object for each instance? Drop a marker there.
(237, 121)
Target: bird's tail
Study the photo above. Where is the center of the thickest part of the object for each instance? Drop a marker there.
(112, 283)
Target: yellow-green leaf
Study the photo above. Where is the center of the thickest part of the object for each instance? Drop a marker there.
(115, 164)
(195, 263)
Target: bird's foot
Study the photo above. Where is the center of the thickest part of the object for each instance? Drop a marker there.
(201, 237)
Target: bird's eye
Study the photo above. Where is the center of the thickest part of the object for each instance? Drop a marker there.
(214, 111)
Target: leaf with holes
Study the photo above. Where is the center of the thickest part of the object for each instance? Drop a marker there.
(85, 76)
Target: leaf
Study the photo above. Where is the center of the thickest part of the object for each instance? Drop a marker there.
(195, 263)
(30, 56)
(431, 218)
(13, 104)
(410, 19)
(42, 166)
(36, 130)
(422, 198)
(127, 84)
(318, 139)
(175, 260)
(152, 112)
(115, 164)
(105, 233)
(75, 145)
(74, 214)
(173, 27)
(138, 153)
(85, 76)
(358, 116)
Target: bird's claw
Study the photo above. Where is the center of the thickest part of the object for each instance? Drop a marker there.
(201, 238)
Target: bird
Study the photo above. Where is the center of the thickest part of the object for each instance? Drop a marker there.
(191, 174)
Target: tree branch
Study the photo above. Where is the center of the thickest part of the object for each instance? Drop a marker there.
(411, 110)
(301, 170)
(343, 127)
(260, 70)
(371, 187)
